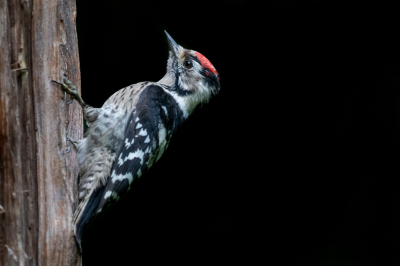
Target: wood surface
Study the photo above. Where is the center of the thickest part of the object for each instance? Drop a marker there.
(38, 176)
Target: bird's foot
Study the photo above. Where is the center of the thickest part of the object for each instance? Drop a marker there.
(69, 88)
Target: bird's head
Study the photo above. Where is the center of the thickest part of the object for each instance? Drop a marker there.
(194, 80)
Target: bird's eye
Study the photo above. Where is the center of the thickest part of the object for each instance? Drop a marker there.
(188, 64)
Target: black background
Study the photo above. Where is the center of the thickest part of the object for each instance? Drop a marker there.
(296, 162)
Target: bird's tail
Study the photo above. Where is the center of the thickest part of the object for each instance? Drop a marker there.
(84, 212)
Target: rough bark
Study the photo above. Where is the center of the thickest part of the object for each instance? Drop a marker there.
(38, 43)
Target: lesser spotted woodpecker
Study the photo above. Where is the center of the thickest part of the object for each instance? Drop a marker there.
(132, 129)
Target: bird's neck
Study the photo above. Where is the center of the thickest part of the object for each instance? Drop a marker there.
(168, 79)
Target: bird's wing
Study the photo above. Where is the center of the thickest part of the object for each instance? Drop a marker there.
(135, 154)
(142, 139)
(147, 134)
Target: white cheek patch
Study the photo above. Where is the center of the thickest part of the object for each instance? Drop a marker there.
(202, 94)
(181, 101)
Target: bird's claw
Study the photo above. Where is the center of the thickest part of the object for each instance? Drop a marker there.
(68, 87)
(59, 83)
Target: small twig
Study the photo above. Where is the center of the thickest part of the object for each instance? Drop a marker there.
(17, 69)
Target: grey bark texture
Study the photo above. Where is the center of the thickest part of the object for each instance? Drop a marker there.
(38, 186)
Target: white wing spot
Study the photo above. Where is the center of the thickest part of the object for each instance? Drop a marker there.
(121, 177)
(148, 150)
(137, 119)
(147, 140)
(120, 161)
(137, 154)
(165, 109)
(138, 125)
(162, 140)
(128, 144)
(142, 132)
(107, 195)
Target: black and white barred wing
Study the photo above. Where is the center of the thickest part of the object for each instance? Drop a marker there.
(147, 134)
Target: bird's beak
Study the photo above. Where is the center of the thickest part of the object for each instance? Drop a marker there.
(173, 46)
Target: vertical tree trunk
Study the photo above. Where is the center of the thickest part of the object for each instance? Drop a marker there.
(38, 176)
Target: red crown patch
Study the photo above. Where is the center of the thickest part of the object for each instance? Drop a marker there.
(206, 63)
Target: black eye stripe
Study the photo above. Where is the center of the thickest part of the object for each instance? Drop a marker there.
(193, 58)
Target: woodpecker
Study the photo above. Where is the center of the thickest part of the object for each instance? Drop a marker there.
(133, 128)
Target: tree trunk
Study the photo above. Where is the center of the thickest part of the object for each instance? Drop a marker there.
(38, 176)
